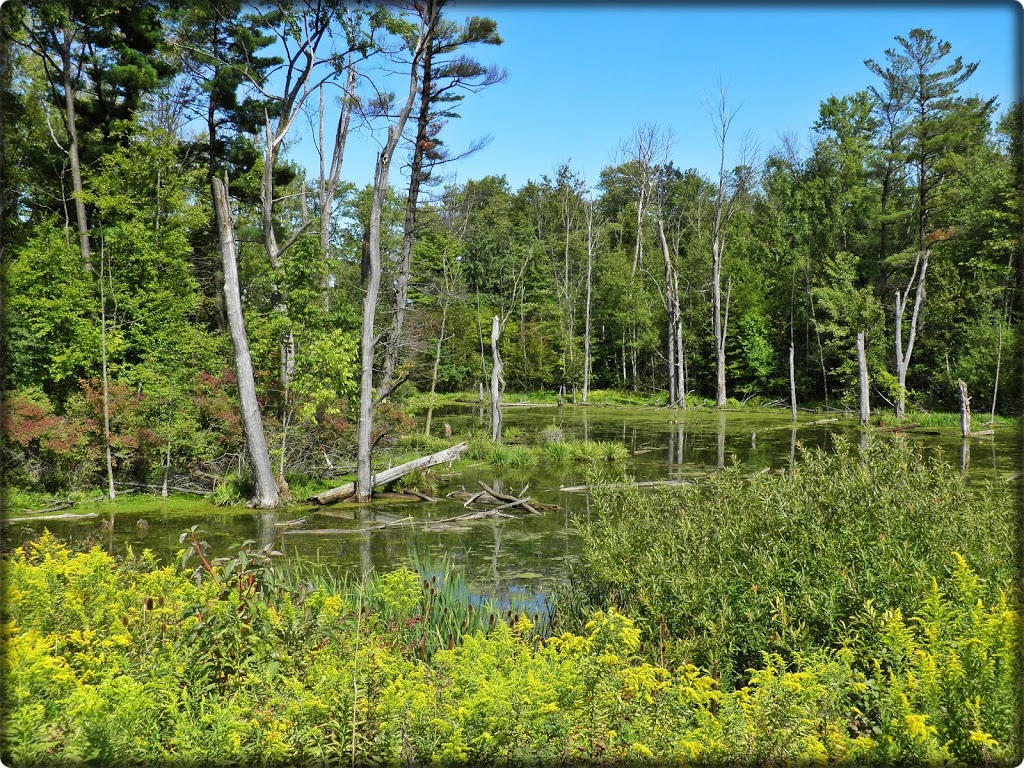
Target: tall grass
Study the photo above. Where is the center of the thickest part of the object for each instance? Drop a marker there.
(734, 566)
(428, 602)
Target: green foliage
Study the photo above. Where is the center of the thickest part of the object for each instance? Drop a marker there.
(731, 566)
(557, 452)
(127, 662)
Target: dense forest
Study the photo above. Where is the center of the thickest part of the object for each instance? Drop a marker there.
(179, 292)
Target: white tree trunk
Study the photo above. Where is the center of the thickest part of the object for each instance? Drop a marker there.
(792, 384)
(497, 384)
(862, 365)
(364, 484)
(266, 495)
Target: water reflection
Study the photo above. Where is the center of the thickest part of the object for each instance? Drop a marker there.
(505, 555)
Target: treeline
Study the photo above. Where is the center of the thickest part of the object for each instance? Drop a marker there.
(156, 235)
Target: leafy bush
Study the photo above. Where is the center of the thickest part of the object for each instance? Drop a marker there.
(732, 566)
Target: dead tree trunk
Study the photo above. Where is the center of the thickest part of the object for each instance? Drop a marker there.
(416, 175)
(670, 311)
(329, 179)
(862, 365)
(106, 385)
(266, 495)
(380, 185)
(792, 384)
(965, 408)
(590, 282)
(903, 354)
(497, 383)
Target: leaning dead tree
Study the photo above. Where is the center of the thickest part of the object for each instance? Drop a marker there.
(265, 495)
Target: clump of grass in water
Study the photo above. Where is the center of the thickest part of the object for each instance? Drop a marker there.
(586, 450)
(512, 433)
(521, 456)
(614, 451)
(500, 455)
(557, 452)
(552, 434)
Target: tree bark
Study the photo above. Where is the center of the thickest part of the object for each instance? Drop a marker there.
(496, 381)
(862, 365)
(965, 408)
(364, 485)
(792, 384)
(266, 494)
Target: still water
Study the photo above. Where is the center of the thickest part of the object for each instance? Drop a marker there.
(525, 554)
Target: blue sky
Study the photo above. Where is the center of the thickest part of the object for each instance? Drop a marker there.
(581, 77)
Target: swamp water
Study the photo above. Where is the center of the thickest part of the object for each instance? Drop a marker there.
(517, 557)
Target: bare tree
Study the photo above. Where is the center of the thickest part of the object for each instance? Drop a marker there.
(640, 154)
(497, 382)
(588, 212)
(265, 494)
(444, 80)
(730, 186)
(364, 480)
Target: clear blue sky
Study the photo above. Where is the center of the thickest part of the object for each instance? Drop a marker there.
(580, 77)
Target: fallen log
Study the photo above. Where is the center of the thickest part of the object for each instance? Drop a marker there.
(424, 496)
(175, 488)
(65, 516)
(644, 484)
(505, 497)
(55, 507)
(390, 475)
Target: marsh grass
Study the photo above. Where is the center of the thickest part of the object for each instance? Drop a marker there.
(426, 602)
(735, 566)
